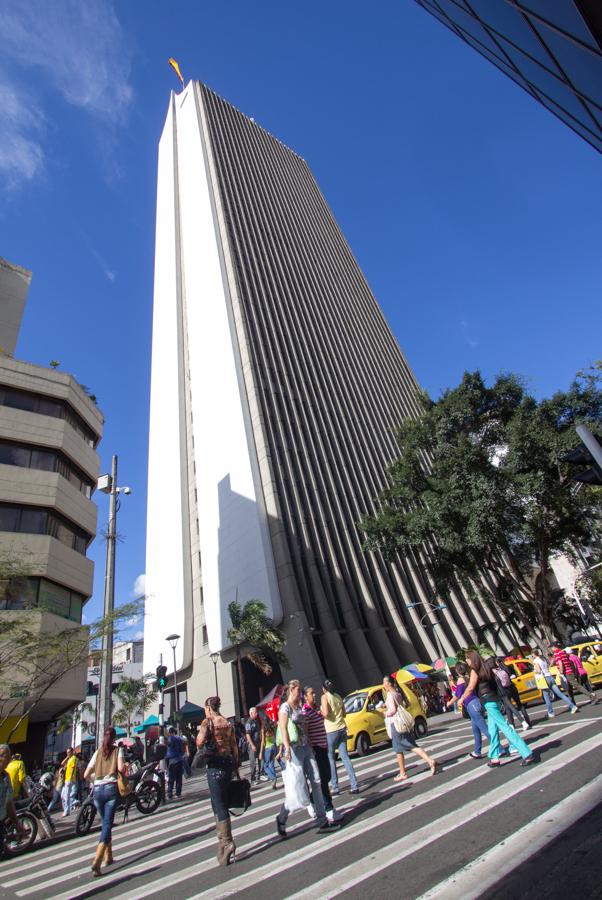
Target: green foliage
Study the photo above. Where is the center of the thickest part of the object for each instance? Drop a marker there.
(135, 696)
(480, 487)
(72, 720)
(483, 650)
(54, 364)
(251, 626)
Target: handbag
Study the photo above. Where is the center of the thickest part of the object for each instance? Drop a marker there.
(204, 753)
(124, 786)
(403, 721)
(239, 795)
(291, 730)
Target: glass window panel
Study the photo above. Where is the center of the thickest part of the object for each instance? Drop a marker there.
(80, 543)
(19, 593)
(14, 455)
(555, 88)
(511, 24)
(502, 63)
(563, 15)
(583, 68)
(54, 598)
(467, 24)
(49, 407)
(43, 459)
(63, 533)
(33, 521)
(17, 400)
(9, 518)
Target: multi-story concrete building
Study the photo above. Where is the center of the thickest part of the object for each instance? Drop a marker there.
(551, 48)
(49, 429)
(275, 390)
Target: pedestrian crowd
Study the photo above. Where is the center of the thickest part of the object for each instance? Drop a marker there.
(301, 742)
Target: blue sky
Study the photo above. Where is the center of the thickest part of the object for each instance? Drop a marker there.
(472, 211)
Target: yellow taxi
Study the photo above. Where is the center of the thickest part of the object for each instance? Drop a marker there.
(522, 673)
(590, 655)
(365, 717)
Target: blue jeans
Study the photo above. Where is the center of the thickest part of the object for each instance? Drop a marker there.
(105, 801)
(269, 764)
(219, 776)
(68, 796)
(479, 725)
(175, 771)
(337, 740)
(553, 688)
(497, 723)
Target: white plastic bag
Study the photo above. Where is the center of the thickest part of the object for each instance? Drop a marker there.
(296, 795)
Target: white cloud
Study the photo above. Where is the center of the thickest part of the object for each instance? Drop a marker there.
(21, 125)
(468, 334)
(139, 588)
(81, 50)
(139, 636)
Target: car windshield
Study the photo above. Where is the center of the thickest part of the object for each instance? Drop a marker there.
(355, 702)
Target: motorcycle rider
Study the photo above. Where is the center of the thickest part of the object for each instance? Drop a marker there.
(7, 806)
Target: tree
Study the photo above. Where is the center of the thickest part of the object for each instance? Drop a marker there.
(36, 653)
(73, 719)
(135, 696)
(252, 629)
(480, 489)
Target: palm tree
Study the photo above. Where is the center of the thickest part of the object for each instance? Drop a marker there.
(135, 696)
(251, 626)
(72, 720)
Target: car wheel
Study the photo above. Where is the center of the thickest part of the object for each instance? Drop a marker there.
(420, 727)
(362, 744)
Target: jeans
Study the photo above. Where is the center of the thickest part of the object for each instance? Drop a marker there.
(174, 777)
(68, 796)
(269, 761)
(554, 689)
(323, 761)
(478, 723)
(105, 801)
(512, 710)
(337, 740)
(302, 755)
(219, 777)
(55, 800)
(255, 764)
(497, 723)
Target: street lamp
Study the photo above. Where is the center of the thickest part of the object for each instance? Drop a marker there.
(214, 658)
(107, 484)
(172, 640)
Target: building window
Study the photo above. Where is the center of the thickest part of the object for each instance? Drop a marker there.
(48, 406)
(40, 593)
(32, 520)
(13, 454)
(205, 636)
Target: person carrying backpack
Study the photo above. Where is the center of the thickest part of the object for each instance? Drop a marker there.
(508, 693)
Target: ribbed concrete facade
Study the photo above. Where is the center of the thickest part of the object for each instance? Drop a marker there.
(322, 383)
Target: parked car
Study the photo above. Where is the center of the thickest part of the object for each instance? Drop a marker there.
(365, 719)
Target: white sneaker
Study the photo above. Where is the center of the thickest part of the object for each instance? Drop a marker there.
(574, 710)
(551, 715)
(525, 726)
(333, 815)
(513, 752)
(311, 811)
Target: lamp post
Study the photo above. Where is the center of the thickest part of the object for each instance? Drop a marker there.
(172, 640)
(214, 658)
(108, 485)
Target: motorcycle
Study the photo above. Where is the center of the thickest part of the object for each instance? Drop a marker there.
(32, 812)
(146, 796)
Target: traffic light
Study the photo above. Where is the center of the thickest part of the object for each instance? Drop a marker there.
(588, 456)
(162, 677)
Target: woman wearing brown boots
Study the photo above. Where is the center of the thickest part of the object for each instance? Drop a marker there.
(217, 736)
(103, 767)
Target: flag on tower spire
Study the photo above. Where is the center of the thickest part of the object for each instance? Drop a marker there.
(176, 69)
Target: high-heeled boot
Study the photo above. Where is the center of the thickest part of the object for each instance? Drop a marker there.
(226, 846)
(98, 858)
(109, 853)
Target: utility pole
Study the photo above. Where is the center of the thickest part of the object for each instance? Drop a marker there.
(106, 661)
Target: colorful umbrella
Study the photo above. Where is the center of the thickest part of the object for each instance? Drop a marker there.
(422, 667)
(402, 676)
(418, 675)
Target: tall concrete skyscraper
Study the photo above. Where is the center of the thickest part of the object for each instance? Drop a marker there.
(276, 386)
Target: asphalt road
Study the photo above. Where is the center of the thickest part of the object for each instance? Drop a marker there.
(467, 832)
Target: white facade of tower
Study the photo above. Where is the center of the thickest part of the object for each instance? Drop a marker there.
(204, 492)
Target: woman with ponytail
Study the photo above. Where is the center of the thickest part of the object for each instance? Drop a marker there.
(217, 736)
(106, 762)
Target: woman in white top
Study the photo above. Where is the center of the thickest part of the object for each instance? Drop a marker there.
(542, 673)
(106, 762)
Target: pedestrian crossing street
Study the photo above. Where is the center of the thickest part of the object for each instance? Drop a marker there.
(451, 835)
